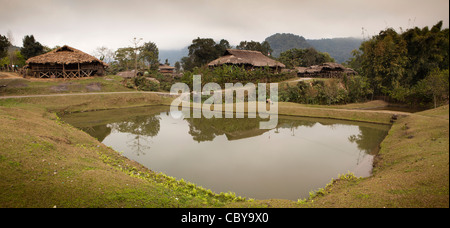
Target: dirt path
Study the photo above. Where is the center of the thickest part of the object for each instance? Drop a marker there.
(9, 75)
(399, 113)
(82, 94)
(300, 79)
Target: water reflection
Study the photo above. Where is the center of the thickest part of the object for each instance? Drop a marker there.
(299, 155)
(141, 129)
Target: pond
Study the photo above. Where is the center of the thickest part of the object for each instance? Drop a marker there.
(233, 155)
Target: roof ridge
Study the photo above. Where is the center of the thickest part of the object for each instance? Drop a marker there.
(231, 49)
(66, 55)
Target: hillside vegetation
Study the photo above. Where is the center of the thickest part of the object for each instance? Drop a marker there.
(339, 48)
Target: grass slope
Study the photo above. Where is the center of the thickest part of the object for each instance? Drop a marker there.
(47, 163)
(32, 86)
(412, 168)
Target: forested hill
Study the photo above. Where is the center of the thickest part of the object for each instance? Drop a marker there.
(338, 48)
(286, 41)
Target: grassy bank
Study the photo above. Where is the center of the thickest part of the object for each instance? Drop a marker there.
(45, 162)
(32, 86)
(412, 169)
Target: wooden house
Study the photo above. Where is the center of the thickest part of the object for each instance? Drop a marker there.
(166, 69)
(65, 62)
(325, 70)
(249, 59)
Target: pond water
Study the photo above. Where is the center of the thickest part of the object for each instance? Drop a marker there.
(234, 155)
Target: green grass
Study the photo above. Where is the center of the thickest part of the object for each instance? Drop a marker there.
(84, 103)
(20, 86)
(410, 171)
(47, 163)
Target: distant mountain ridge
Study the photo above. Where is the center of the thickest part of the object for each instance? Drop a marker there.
(282, 42)
(338, 48)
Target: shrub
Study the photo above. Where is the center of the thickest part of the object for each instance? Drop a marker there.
(144, 84)
(327, 92)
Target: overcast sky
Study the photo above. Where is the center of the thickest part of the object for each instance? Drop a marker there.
(173, 24)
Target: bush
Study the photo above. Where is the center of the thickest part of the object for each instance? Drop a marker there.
(234, 74)
(433, 89)
(327, 92)
(358, 88)
(144, 84)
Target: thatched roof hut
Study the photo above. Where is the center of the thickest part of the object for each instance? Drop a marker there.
(166, 69)
(65, 62)
(325, 70)
(249, 59)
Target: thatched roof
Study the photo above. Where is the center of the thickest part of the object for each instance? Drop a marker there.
(242, 57)
(332, 67)
(325, 67)
(166, 67)
(64, 55)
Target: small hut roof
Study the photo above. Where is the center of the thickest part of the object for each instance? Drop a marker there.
(64, 55)
(332, 66)
(314, 69)
(238, 57)
(301, 70)
(325, 67)
(166, 67)
(350, 71)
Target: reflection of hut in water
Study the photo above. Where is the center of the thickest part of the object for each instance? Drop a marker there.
(65, 62)
(326, 70)
(245, 134)
(208, 129)
(99, 132)
(248, 59)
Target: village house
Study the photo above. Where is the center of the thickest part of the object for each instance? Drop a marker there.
(249, 59)
(64, 62)
(325, 70)
(166, 69)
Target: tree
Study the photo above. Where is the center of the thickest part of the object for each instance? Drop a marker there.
(125, 57)
(202, 51)
(304, 57)
(136, 50)
(177, 67)
(395, 63)
(104, 54)
(4, 45)
(427, 50)
(222, 46)
(384, 61)
(31, 47)
(263, 47)
(187, 63)
(355, 62)
(150, 54)
(437, 85)
(16, 58)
